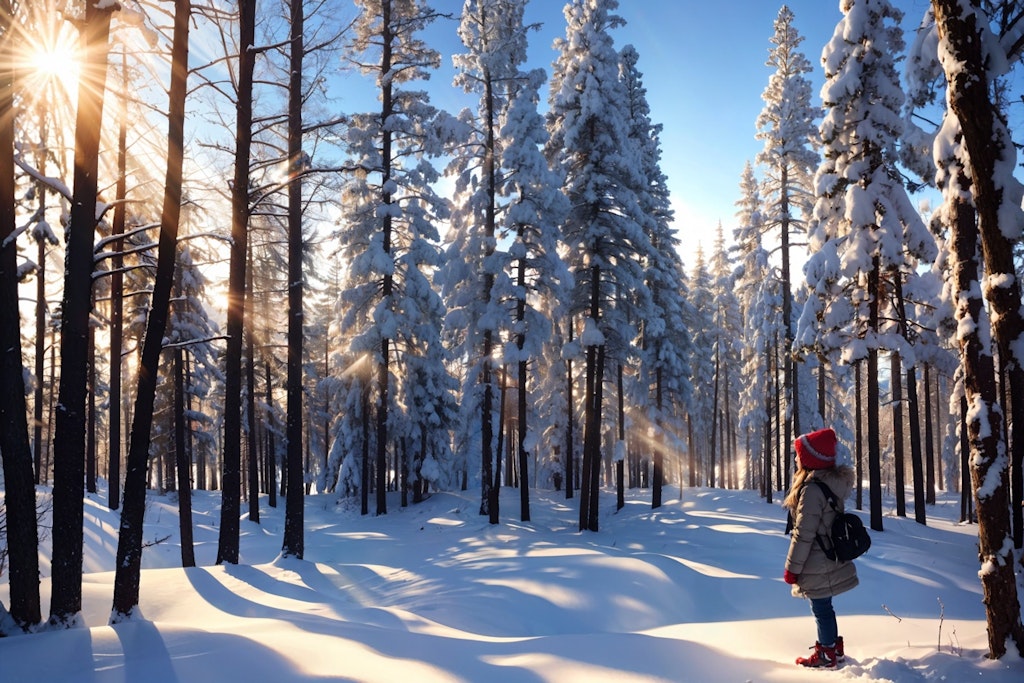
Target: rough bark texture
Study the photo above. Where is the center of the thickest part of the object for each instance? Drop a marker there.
(293, 543)
(20, 493)
(987, 143)
(69, 436)
(231, 478)
(129, 545)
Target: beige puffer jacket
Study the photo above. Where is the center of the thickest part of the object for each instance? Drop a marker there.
(818, 576)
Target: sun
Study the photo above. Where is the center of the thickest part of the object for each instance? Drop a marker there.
(53, 61)
(49, 59)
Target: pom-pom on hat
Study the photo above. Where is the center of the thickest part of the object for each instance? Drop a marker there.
(817, 450)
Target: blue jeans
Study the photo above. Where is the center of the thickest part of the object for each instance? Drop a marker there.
(825, 618)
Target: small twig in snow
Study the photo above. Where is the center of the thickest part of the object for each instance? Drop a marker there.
(890, 612)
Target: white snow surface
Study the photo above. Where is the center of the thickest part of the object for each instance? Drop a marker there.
(432, 592)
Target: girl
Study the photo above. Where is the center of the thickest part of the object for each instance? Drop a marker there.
(808, 570)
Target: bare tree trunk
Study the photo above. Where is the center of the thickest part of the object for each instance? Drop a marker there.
(117, 298)
(929, 439)
(69, 438)
(293, 543)
(40, 356)
(570, 420)
(231, 477)
(252, 441)
(896, 380)
(916, 466)
(15, 451)
(658, 447)
(129, 545)
(874, 446)
(183, 463)
(620, 448)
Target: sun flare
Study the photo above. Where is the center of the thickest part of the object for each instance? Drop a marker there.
(53, 62)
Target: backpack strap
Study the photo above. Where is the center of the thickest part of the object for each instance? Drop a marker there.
(830, 553)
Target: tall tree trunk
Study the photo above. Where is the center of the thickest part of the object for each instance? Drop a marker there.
(620, 447)
(916, 464)
(989, 150)
(521, 391)
(591, 466)
(714, 418)
(69, 438)
(90, 425)
(183, 463)
(270, 448)
(790, 389)
(117, 298)
(231, 476)
(129, 544)
(896, 380)
(658, 450)
(252, 441)
(15, 451)
(42, 237)
(487, 454)
(387, 286)
(873, 435)
(929, 438)
(570, 420)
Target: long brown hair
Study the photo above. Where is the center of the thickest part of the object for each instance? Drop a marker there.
(794, 492)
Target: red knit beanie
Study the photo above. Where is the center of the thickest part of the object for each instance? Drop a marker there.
(817, 450)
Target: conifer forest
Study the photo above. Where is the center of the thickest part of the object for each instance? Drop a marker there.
(245, 247)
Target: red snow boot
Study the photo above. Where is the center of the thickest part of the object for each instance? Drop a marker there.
(823, 658)
(840, 651)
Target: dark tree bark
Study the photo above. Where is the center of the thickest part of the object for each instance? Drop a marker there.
(658, 474)
(252, 441)
(129, 545)
(899, 470)
(987, 144)
(620, 492)
(20, 492)
(231, 477)
(388, 283)
(929, 439)
(874, 447)
(42, 237)
(69, 437)
(916, 465)
(183, 463)
(590, 487)
(293, 543)
(117, 299)
(570, 420)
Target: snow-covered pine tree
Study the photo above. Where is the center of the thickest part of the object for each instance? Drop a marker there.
(702, 368)
(866, 230)
(727, 327)
(493, 34)
(540, 278)
(590, 144)
(389, 233)
(787, 127)
(757, 287)
(663, 374)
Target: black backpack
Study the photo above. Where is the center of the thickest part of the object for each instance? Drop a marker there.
(848, 539)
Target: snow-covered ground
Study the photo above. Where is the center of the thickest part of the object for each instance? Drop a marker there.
(690, 592)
